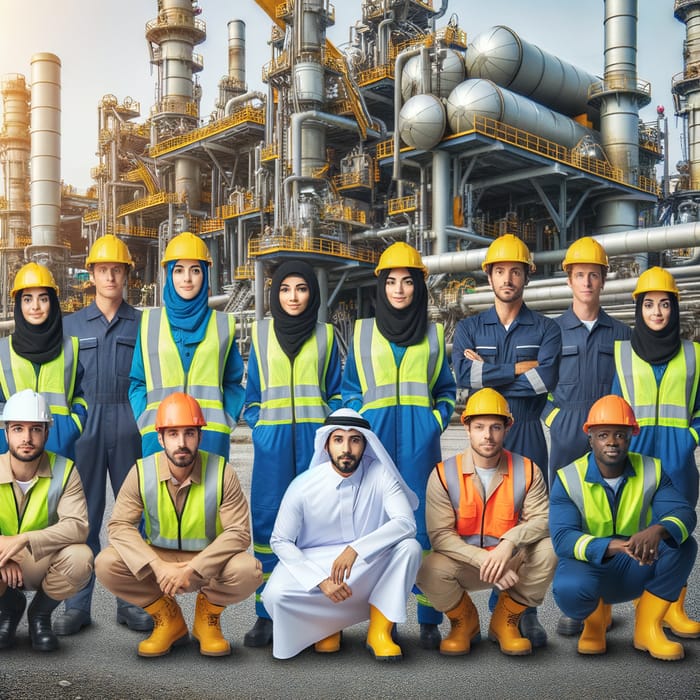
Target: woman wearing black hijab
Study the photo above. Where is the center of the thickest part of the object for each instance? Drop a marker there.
(38, 356)
(293, 384)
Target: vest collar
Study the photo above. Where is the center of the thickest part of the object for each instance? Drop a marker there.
(468, 463)
(594, 476)
(6, 475)
(164, 470)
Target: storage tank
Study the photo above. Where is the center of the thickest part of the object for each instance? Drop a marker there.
(422, 121)
(445, 74)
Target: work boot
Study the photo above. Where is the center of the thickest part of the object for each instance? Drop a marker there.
(592, 639)
(504, 626)
(71, 621)
(379, 641)
(678, 621)
(648, 633)
(12, 605)
(568, 626)
(328, 645)
(429, 636)
(207, 628)
(465, 628)
(531, 628)
(169, 628)
(134, 617)
(39, 619)
(260, 634)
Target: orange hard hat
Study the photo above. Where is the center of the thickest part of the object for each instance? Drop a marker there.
(611, 410)
(179, 411)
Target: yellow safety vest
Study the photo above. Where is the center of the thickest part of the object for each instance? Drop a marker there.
(199, 523)
(41, 509)
(381, 384)
(165, 374)
(669, 403)
(292, 391)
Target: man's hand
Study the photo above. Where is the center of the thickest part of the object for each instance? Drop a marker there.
(472, 355)
(11, 574)
(508, 580)
(11, 545)
(342, 566)
(172, 577)
(644, 546)
(334, 591)
(524, 365)
(496, 562)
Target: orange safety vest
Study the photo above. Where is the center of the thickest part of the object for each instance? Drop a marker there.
(479, 524)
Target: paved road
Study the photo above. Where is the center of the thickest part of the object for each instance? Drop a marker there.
(101, 662)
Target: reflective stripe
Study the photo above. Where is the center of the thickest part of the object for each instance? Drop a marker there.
(262, 548)
(533, 376)
(60, 470)
(679, 524)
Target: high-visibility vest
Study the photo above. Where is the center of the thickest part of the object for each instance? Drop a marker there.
(165, 374)
(199, 524)
(669, 403)
(55, 381)
(382, 383)
(483, 524)
(292, 391)
(41, 509)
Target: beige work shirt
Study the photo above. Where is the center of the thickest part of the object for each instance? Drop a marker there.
(72, 526)
(137, 554)
(441, 519)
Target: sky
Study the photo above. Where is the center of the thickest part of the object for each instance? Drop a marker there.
(103, 51)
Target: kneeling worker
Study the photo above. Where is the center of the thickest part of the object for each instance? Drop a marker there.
(197, 532)
(43, 524)
(486, 511)
(622, 532)
(345, 539)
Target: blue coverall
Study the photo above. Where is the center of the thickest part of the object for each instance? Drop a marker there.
(411, 436)
(531, 336)
(586, 372)
(110, 442)
(578, 585)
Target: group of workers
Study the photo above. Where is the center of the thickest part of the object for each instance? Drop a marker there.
(352, 504)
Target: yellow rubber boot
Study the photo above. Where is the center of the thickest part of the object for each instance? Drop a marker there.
(169, 628)
(648, 633)
(464, 620)
(678, 621)
(379, 640)
(328, 645)
(207, 628)
(504, 627)
(607, 609)
(592, 639)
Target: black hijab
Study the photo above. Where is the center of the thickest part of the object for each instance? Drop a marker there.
(407, 326)
(293, 331)
(42, 343)
(656, 347)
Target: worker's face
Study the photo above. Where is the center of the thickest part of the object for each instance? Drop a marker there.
(294, 295)
(508, 279)
(180, 445)
(26, 440)
(109, 280)
(656, 310)
(188, 278)
(586, 282)
(609, 444)
(345, 448)
(399, 288)
(36, 305)
(486, 435)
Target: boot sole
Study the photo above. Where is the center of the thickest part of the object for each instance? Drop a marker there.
(670, 657)
(682, 635)
(122, 620)
(185, 639)
(383, 658)
(463, 652)
(524, 652)
(592, 652)
(223, 652)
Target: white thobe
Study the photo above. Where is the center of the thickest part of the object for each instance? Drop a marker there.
(322, 513)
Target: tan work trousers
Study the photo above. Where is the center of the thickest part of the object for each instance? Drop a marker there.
(238, 578)
(444, 579)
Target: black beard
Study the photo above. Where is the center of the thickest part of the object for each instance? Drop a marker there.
(342, 468)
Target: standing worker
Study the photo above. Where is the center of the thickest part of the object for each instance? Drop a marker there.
(515, 351)
(43, 524)
(658, 373)
(293, 384)
(397, 375)
(110, 443)
(186, 346)
(38, 356)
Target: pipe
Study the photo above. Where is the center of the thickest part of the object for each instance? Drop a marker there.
(245, 97)
(398, 70)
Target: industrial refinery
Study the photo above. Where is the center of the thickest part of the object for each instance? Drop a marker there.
(414, 131)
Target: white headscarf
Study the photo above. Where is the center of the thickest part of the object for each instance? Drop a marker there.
(347, 419)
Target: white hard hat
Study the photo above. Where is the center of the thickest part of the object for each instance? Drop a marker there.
(26, 406)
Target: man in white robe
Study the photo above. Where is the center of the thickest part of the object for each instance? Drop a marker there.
(345, 539)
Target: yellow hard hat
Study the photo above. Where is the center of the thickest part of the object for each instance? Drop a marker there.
(33, 275)
(585, 251)
(186, 246)
(487, 402)
(109, 249)
(508, 248)
(400, 254)
(655, 279)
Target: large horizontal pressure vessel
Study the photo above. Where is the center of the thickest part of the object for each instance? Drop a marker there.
(500, 55)
(422, 121)
(446, 73)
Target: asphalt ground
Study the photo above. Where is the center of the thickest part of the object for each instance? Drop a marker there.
(101, 662)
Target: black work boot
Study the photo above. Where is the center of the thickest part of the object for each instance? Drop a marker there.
(39, 619)
(260, 634)
(429, 636)
(12, 605)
